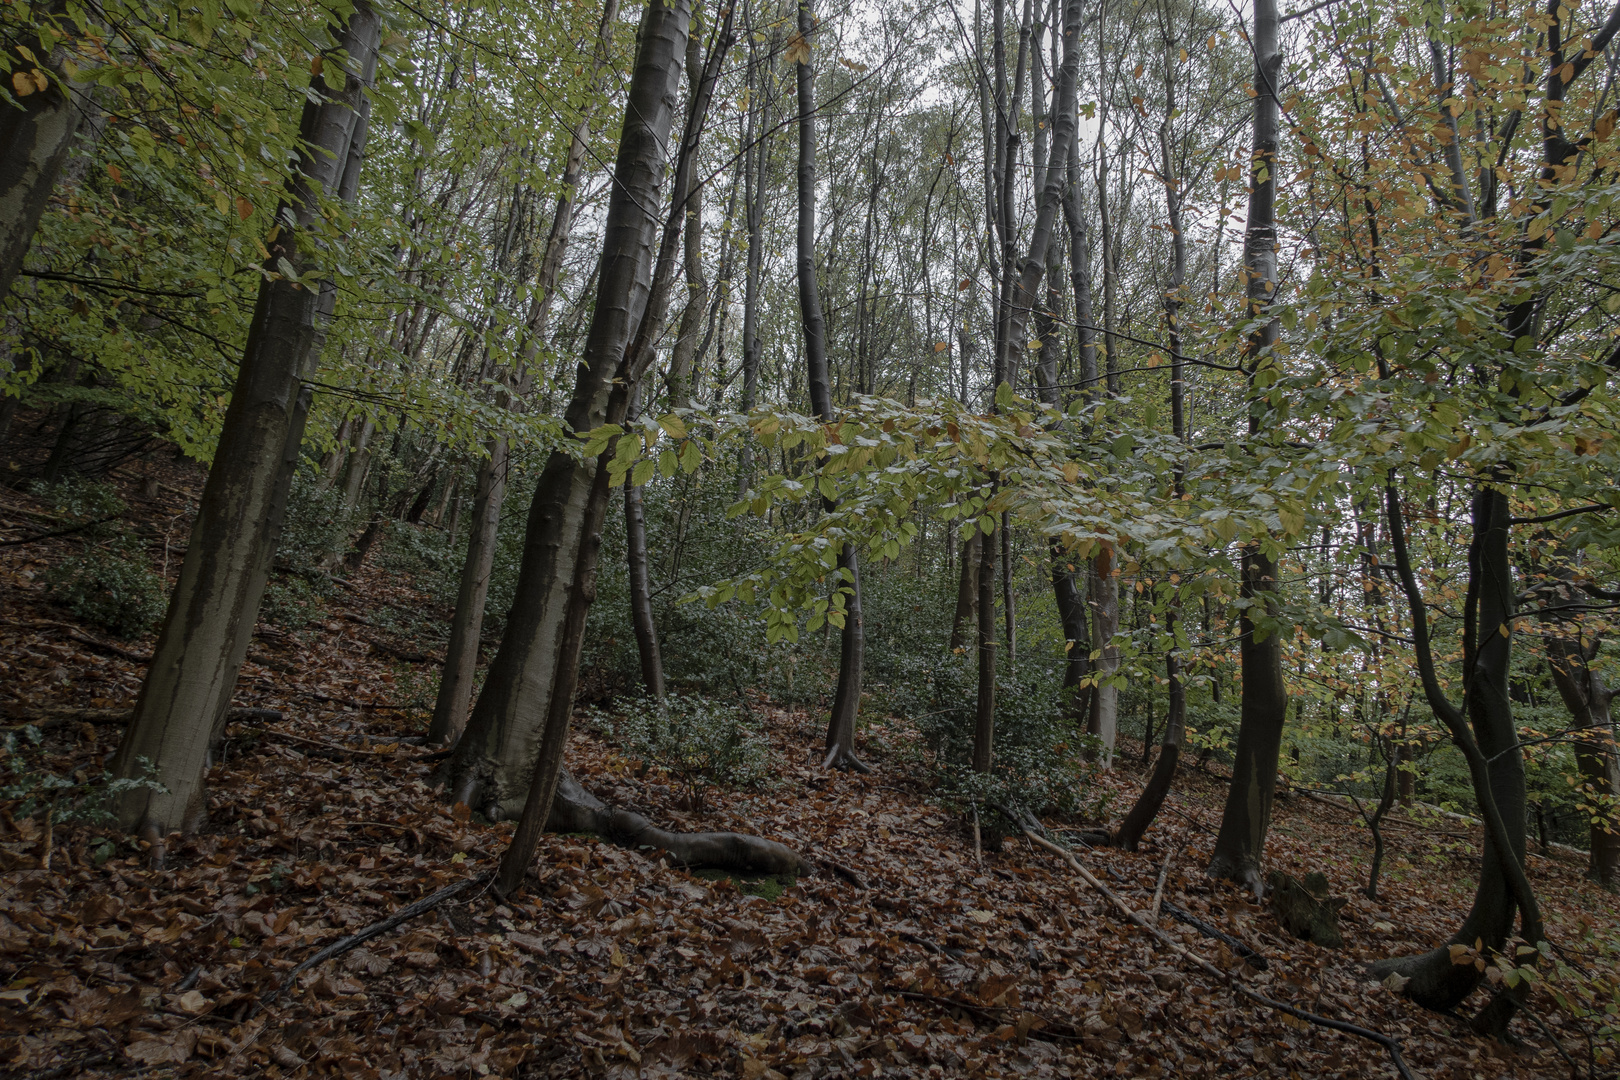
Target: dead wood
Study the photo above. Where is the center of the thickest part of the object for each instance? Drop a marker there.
(1389, 1043)
(47, 717)
(577, 810)
(376, 929)
(80, 527)
(1158, 889)
(1039, 1026)
(1242, 949)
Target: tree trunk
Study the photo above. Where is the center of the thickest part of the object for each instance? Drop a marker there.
(467, 624)
(984, 721)
(683, 357)
(852, 641)
(1588, 701)
(1103, 589)
(36, 134)
(1489, 740)
(508, 738)
(967, 594)
(216, 601)
(1147, 805)
(641, 609)
(1242, 838)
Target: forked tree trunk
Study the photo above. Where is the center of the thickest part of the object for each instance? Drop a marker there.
(472, 593)
(215, 604)
(35, 137)
(1489, 741)
(1242, 838)
(852, 640)
(508, 739)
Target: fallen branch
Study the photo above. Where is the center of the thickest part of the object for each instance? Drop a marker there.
(376, 929)
(80, 527)
(1239, 947)
(1390, 1044)
(50, 717)
(1049, 1030)
(336, 749)
(1158, 890)
(845, 872)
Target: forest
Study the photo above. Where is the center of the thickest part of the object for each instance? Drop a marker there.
(809, 538)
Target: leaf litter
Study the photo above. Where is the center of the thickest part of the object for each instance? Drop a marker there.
(614, 964)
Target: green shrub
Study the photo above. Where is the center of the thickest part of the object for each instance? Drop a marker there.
(112, 586)
(697, 740)
(79, 499)
(63, 800)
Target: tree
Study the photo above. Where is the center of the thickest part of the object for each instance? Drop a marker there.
(183, 702)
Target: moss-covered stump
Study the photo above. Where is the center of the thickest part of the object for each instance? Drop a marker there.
(1305, 909)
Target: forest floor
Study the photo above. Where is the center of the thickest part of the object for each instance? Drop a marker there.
(612, 963)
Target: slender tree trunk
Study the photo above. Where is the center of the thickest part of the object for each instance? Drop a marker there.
(1263, 711)
(467, 624)
(216, 601)
(984, 721)
(36, 134)
(1103, 589)
(641, 609)
(964, 621)
(1588, 701)
(852, 642)
(509, 739)
(682, 360)
(1147, 805)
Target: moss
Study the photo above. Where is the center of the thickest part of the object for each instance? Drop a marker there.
(765, 886)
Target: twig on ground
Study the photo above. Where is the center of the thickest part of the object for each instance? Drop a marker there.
(1158, 890)
(1390, 1044)
(846, 873)
(1241, 948)
(377, 929)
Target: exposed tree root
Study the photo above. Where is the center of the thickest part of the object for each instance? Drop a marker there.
(577, 810)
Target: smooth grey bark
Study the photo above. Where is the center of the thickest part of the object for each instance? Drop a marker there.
(509, 738)
(852, 640)
(35, 138)
(1146, 807)
(1240, 844)
(641, 609)
(1102, 590)
(964, 621)
(472, 591)
(678, 379)
(984, 714)
(467, 623)
(215, 604)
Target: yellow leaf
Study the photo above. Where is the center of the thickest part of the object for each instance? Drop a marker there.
(22, 83)
(1071, 471)
(940, 346)
(116, 174)
(244, 209)
(1183, 56)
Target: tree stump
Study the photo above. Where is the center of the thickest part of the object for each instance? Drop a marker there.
(1305, 909)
